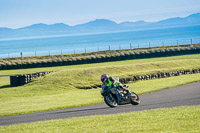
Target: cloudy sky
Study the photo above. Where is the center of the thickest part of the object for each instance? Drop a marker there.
(20, 13)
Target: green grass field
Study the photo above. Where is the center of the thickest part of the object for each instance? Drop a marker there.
(58, 90)
(5, 82)
(185, 119)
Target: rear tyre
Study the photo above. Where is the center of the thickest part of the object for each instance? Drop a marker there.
(110, 100)
(135, 99)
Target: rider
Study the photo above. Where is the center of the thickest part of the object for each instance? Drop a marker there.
(111, 82)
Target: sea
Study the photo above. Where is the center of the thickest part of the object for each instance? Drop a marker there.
(81, 43)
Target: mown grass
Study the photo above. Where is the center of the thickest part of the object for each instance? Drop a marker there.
(5, 82)
(179, 119)
(59, 89)
(36, 98)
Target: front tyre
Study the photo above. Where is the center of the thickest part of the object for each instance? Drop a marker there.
(110, 100)
(135, 100)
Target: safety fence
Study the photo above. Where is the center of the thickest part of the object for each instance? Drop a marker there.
(85, 47)
(107, 56)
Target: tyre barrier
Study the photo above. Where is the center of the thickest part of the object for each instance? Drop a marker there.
(19, 80)
(149, 77)
(158, 75)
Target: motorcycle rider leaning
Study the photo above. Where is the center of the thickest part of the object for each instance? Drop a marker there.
(111, 82)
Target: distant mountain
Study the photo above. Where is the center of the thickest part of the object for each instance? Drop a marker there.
(98, 25)
(193, 19)
(131, 24)
(41, 26)
(7, 32)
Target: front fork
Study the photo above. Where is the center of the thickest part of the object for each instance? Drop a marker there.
(119, 98)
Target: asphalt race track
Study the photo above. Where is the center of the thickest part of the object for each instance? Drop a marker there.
(183, 95)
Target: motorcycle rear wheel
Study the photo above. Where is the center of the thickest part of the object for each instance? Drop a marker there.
(110, 100)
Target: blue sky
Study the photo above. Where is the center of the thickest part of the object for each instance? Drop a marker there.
(20, 13)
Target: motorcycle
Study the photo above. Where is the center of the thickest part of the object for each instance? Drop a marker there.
(114, 97)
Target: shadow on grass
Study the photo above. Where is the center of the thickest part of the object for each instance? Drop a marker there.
(4, 86)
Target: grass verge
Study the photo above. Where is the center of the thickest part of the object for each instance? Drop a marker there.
(178, 119)
(58, 90)
(14, 101)
(5, 82)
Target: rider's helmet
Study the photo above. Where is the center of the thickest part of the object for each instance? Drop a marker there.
(104, 78)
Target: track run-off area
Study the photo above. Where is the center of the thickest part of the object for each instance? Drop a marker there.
(184, 95)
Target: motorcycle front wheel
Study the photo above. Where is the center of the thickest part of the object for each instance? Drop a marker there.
(110, 100)
(135, 99)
